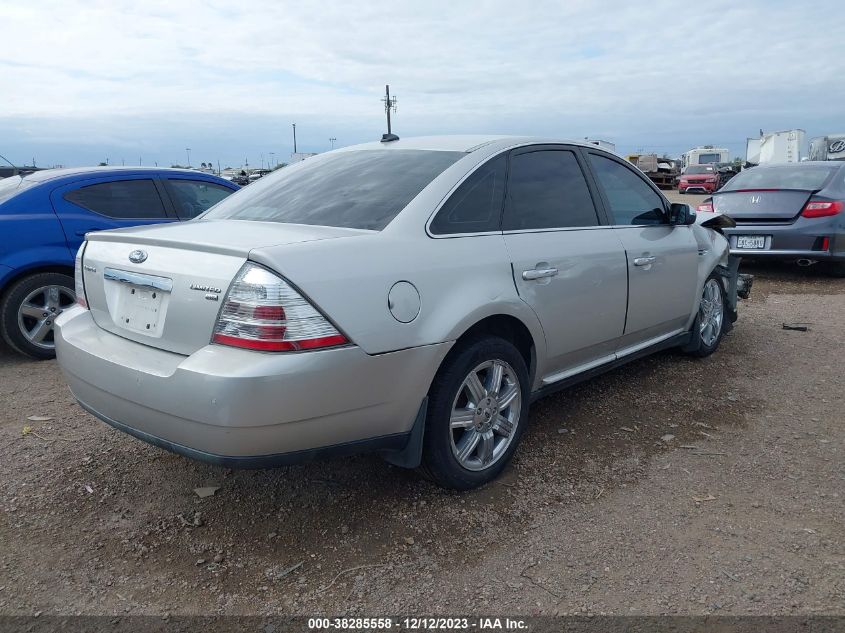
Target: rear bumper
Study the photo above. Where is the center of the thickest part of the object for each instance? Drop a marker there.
(802, 239)
(241, 408)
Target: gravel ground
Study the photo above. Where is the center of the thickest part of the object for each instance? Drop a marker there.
(670, 485)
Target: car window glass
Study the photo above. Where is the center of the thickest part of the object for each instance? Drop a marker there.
(807, 177)
(192, 197)
(131, 199)
(477, 204)
(547, 189)
(361, 189)
(631, 200)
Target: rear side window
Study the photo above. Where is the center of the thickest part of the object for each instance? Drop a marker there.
(476, 206)
(363, 189)
(121, 199)
(547, 190)
(631, 200)
(192, 197)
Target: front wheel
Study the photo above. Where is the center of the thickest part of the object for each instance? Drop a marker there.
(478, 407)
(709, 326)
(29, 309)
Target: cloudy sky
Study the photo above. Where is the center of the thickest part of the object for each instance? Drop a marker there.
(84, 81)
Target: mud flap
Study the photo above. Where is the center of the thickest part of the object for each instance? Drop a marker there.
(411, 455)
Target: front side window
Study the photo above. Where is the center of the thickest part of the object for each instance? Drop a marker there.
(476, 206)
(361, 189)
(631, 200)
(192, 197)
(547, 190)
(120, 199)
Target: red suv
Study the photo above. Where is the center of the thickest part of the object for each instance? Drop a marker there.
(699, 179)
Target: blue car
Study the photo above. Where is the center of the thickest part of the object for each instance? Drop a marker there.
(44, 217)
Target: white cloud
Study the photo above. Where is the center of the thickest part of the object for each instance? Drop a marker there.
(619, 67)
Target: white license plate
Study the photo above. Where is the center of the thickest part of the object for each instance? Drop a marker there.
(140, 308)
(751, 241)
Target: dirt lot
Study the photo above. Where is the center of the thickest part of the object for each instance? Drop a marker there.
(668, 486)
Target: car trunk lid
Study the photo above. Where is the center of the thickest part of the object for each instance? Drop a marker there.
(163, 286)
(760, 205)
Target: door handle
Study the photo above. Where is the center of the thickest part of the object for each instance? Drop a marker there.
(538, 273)
(644, 261)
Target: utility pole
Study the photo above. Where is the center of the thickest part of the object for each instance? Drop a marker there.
(388, 105)
(272, 160)
(294, 137)
(188, 151)
(332, 140)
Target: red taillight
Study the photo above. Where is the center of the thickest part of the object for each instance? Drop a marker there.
(822, 208)
(707, 207)
(263, 312)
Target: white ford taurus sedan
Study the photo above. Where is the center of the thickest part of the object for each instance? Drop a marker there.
(410, 297)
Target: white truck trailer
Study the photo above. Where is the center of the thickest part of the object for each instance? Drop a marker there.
(786, 146)
(830, 147)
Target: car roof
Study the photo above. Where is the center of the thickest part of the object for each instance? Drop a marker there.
(51, 174)
(461, 143)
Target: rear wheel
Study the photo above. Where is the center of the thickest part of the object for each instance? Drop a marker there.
(478, 406)
(29, 309)
(709, 325)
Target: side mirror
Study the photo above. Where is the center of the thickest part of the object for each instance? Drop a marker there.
(681, 214)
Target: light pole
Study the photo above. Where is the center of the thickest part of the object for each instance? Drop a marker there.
(294, 137)
(188, 151)
(272, 160)
(332, 140)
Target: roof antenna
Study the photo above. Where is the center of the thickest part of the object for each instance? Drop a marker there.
(388, 104)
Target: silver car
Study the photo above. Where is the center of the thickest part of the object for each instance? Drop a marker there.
(410, 297)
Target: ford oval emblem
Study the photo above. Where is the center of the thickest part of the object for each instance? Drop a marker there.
(138, 257)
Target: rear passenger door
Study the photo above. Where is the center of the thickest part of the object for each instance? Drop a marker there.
(567, 264)
(100, 204)
(662, 259)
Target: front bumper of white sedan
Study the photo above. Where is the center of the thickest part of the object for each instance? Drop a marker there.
(241, 408)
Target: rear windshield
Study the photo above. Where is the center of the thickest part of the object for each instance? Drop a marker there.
(11, 186)
(807, 177)
(362, 189)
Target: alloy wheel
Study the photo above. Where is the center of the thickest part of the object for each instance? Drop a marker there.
(485, 414)
(711, 312)
(38, 311)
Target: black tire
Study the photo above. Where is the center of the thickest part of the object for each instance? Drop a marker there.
(11, 303)
(439, 462)
(698, 345)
